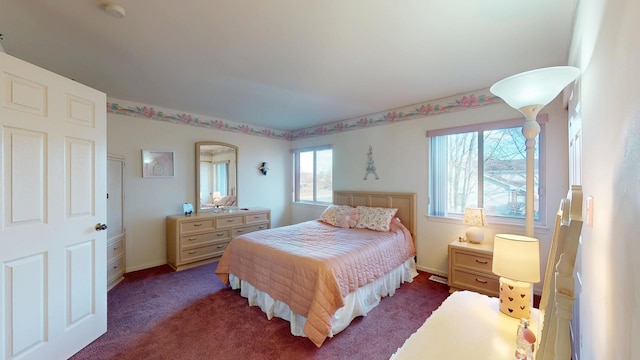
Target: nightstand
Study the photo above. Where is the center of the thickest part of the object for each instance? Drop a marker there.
(470, 268)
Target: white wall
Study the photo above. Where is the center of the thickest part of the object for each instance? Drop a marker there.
(605, 46)
(401, 154)
(149, 200)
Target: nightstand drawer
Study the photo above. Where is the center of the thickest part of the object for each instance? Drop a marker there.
(472, 261)
(474, 281)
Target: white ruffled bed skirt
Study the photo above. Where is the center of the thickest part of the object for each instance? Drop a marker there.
(357, 303)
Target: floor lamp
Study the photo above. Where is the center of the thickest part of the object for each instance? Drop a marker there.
(529, 92)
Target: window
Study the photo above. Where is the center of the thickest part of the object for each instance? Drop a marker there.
(221, 177)
(484, 166)
(313, 172)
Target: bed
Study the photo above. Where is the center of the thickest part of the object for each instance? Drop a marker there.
(469, 325)
(320, 276)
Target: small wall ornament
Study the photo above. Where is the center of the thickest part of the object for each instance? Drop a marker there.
(371, 169)
(264, 168)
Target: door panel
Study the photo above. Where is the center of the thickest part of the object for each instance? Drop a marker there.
(25, 168)
(53, 261)
(80, 170)
(26, 305)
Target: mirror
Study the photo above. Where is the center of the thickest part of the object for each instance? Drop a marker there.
(216, 176)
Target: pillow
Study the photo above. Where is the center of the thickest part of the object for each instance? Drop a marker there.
(347, 218)
(375, 218)
(330, 214)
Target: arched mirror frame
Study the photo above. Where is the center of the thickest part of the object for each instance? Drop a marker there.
(233, 170)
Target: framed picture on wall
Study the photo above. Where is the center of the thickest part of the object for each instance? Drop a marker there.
(157, 163)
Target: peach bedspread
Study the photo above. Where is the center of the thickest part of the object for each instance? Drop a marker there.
(312, 266)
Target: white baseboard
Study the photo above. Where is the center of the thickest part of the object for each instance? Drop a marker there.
(432, 271)
(144, 266)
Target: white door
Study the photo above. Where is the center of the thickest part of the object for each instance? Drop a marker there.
(115, 218)
(575, 178)
(53, 193)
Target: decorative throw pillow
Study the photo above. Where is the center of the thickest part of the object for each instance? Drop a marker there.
(348, 218)
(330, 214)
(375, 218)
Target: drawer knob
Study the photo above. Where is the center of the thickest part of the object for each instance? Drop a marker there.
(220, 246)
(220, 234)
(230, 220)
(481, 281)
(198, 224)
(240, 230)
(261, 227)
(193, 251)
(191, 239)
(482, 261)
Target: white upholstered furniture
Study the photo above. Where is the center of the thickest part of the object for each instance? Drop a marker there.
(469, 325)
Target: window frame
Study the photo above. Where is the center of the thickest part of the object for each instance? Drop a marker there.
(494, 125)
(296, 174)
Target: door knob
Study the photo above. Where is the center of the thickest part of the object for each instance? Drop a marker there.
(100, 227)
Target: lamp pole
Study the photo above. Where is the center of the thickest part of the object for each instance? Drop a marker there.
(530, 129)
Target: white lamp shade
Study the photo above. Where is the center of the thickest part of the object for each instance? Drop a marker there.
(516, 257)
(535, 87)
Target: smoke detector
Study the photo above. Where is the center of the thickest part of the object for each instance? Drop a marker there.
(114, 10)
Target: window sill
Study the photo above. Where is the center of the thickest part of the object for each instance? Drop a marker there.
(498, 226)
(311, 204)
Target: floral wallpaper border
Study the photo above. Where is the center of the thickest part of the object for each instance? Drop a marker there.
(422, 110)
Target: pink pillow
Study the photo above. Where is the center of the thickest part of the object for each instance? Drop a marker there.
(348, 218)
(375, 218)
(330, 214)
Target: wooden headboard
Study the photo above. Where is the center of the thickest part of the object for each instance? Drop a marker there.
(404, 202)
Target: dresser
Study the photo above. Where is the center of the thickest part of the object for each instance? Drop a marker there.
(202, 238)
(115, 260)
(470, 268)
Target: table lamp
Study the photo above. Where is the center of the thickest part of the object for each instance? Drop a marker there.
(516, 259)
(476, 218)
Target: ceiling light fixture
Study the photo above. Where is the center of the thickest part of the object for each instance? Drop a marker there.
(114, 10)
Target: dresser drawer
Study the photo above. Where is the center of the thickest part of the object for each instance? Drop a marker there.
(255, 218)
(247, 229)
(188, 241)
(469, 280)
(190, 226)
(115, 249)
(203, 252)
(472, 261)
(229, 221)
(115, 269)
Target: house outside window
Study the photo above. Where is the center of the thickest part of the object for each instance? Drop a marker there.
(484, 166)
(313, 175)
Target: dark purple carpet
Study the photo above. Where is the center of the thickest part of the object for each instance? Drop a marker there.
(161, 314)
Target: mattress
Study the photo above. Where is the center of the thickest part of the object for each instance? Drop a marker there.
(312, 267)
